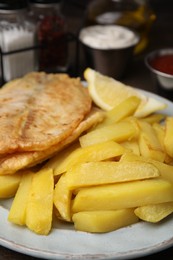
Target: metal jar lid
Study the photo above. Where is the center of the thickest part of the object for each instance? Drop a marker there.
(45, 1)
(13, 4)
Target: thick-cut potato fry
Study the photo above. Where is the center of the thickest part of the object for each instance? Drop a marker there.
(165, 170)
(148, 151)
(9, 185)
(131, 145)
(17, 212)
(124, 109)
(160, 133)
(154, 213)
(168, 140)
(97, 173)
(39, 208)
(119, 132)
(96, 152)
(62, 198)
(154, 118)
(123, 195)
(149, 144)
(59, 158)
(104, 221)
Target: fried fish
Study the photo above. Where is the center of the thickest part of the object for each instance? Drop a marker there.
(11, 163)
(39, 111)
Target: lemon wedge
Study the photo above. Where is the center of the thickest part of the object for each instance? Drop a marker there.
(107, 92)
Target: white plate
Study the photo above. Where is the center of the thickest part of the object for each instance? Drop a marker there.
(65, 243)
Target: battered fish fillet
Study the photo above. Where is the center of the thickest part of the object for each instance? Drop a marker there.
(11, 163)
(40, 110)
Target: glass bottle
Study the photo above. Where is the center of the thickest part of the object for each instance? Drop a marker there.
(134, 14)
(17, 39)
(51, 35)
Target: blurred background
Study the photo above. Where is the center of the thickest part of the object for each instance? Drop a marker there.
(75, 17)
(152, 19)
(160, 35)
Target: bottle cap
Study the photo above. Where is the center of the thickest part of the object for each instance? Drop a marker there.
(13, 4)
(45, 1)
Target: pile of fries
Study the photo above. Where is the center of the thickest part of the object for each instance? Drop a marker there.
(118, 173)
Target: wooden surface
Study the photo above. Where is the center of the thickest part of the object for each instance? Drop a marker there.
(137, 76)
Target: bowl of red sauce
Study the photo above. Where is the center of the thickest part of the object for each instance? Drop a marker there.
(160, 63)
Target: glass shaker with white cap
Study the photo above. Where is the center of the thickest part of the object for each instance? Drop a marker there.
(17, 40)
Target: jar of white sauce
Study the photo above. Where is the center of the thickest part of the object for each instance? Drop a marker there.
(108, 37)
(108, 48)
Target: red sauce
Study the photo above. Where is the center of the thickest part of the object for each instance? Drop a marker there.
(51, 35)
(163, 63)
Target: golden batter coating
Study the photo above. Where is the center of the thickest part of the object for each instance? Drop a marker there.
(40, 110)
(11, 163)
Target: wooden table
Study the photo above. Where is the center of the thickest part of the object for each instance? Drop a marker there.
(137, 76)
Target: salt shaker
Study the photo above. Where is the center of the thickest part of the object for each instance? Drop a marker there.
(51, 35)
(17, 40)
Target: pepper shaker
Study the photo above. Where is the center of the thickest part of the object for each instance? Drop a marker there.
(17, 40)
(51, 35)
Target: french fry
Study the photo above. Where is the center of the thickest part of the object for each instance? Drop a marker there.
(98, 173)
(154, 118)
(149, 144)
(59, 158)
(104, 221)
(95, 174)
(154, 213)
(160, 133)
(124, 109)
(17, 213)
(168, 140)
(123, 195)
(62, 198)
(9, 185)
(97, 152)
(131, 145)
(147, 150)
(39, 208)
(165, 170)
(119, 132)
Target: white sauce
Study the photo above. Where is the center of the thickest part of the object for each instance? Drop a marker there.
(108, 37)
